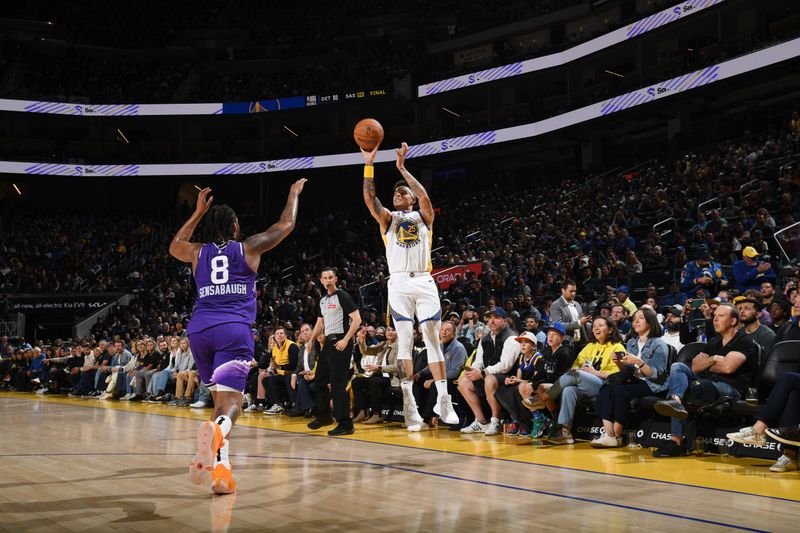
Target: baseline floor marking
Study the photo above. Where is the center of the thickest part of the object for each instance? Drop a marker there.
(421, 472)
(461, 454)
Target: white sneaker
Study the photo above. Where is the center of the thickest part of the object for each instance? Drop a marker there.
(418, 427)
(783, 464)
(274, 410)
(198, 405)
(413, 417)
(42, 390)
(493, 428)
(127, 397)
(444, 408)
(606, 441)
(475, 427)
(253, 408)
(104, 396)
(748, 436)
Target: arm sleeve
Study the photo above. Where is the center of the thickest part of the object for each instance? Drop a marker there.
(478, 361)
(743, 273)
(391, 361)
(719, 272)
(425, 373)
(299, 367)
(456, 362)
(375, 349)
(562, 315)
(348, 305)
(263, 362)
(565, 359)
(507, 358)
(294, 351)
(582, 356)
(657, 360)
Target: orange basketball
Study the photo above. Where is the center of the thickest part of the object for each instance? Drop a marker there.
(368, 133)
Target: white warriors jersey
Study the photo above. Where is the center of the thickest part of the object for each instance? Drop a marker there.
(408, 243)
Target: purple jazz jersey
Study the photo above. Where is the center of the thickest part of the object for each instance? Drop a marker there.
(226, 287)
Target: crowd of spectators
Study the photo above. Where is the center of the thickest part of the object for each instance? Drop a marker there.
(68, 252)
(583, 269)
(598, 231)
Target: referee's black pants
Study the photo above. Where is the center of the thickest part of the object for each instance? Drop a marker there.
(332, 368)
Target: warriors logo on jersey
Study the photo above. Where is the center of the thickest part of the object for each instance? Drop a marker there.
(407, 233)
(408, 243)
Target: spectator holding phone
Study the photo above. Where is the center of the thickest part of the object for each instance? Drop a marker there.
(570, 313)
(470, 327)
(696, 321)
(643, 372)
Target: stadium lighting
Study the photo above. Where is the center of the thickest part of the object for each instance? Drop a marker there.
(617, 74)
(17, 189)
(449, 111)
(290, 131)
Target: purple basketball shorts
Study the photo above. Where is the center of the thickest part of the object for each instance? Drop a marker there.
(222, 354)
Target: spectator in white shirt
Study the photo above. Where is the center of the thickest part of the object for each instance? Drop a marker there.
(672, 326)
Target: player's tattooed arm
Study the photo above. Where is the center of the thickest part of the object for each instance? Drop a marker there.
(425, 205)
(376, 209)
(181, 248)
(269, 239)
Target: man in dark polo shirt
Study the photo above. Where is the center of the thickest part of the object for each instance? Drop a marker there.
(725, 369)
(339, 321)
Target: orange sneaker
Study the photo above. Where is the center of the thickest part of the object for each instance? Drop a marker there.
(209, 440)
(222, 481)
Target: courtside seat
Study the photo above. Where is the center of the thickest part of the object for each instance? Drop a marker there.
(688, 352)
(672, 356)
(782, 358)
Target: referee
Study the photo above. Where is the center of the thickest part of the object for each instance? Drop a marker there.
(340, 320)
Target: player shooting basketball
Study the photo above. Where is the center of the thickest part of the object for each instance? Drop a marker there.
(407, 234)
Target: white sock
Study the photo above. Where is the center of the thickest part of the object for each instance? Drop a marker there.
(408, 391)
(441, 388)
(408, 394)
(225, 424)
(222, 455)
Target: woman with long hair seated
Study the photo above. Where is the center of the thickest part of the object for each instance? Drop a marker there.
(643, 372)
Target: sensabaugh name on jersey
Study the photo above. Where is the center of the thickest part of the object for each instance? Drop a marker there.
(219, 290)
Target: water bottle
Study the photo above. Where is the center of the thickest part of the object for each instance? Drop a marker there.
(701, 333)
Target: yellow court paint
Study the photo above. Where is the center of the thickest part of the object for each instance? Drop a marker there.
(745, 475)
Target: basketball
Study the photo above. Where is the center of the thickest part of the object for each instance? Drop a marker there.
(368, 133)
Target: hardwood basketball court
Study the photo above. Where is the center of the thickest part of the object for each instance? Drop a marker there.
(86, 465)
